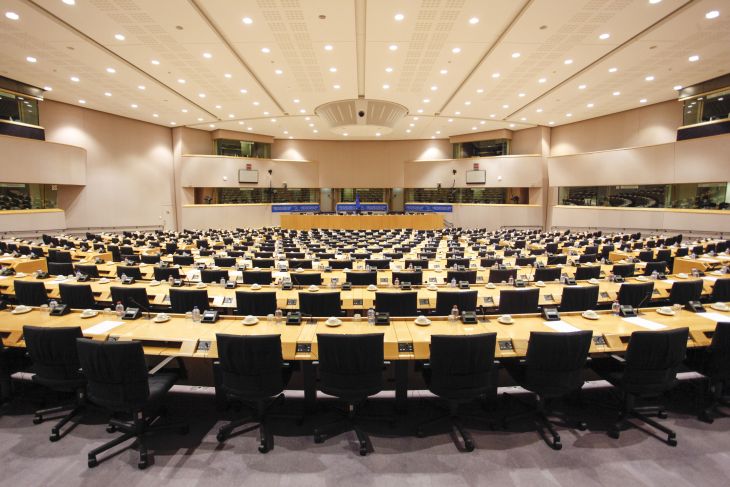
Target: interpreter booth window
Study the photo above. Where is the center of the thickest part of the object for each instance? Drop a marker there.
(708, 196)
(481, 148)
(237, 196)
(18, 108)
(367, 195)
(19, 196)
(707, 108)
(242, 148)
(486, 196)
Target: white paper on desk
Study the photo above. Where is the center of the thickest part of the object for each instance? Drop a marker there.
(218, 300)
(561, 326)
(714, 316)
(649, 325)
(6, 258)
(668, 281)
(705, 259)
(102, 327)
(193, 275)
(711, 279)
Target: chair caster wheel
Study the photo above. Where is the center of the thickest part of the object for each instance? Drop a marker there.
(111, 428)
(363, 451)
(557, 445)
(54, 437)
(582, 426)
(93, 462)
(143, 464)
(705, 417)
(264, 449)
(38, 420)
(318, 438)
(221, 437)
(469, 446)
(672, 440)
(613, 434)
(662, 414)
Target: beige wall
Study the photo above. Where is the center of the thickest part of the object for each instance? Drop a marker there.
(31, 221)
(228, 216)
(502, 172)
(222, 172)
(650, 125)
(36, 161)
(527, 141)
(129, 177)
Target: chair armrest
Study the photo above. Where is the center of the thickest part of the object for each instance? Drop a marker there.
(618, 358)
(161, 365)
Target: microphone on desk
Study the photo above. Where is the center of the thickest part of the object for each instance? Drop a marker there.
(145, 308)
(644, 299)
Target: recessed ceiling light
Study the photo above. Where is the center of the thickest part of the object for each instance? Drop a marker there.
(141, 87)
(247, 20)
(328, 47)
(337, 87)
(393, 47)
(333, 69)
(612, 70)
(450, 120)
(590, 105)
(712, 14)
(434, 88)
(227, 75)
(649, 78)
(411, 124)
(69, 2)
(568, 114)
(495, 75)
(218, 107)
(511, 125)
(604, 36)
(345, 134)
(243, 90)
(181, 81)
(83, 102)
(240, 122)
(444, 71)
(480, 90)
(474, 20)
(48, 88)
(155, 62)
(467, 103)
(388, 69)
(12, 15)
(505, 106)
(31, 59)
(539, 110)
(302, 110)
(311, 125)
(111, 70)
(251, 128)
(515, 55)
(677, 87)
(315, 131)
(266, 113)
(265, 50)
(157, 116)
(568, 61)
(474, 127)
(184, 110)
(207, 55)
(654, 2)
(521, 95)
(420, 110)
(74, 79)
(542, 80)
(385, 87)
(456, 50)
(415, 118)
(693, 58)
(399, 17)
(433, 136)
(286, 132)
(106, 93)
(482, 122)
(616, 93)
(643, 100)
(173, 123)
(278, 71)
(408, 131)
(551, 122)
(426, 100)
(119, 37)
(377, 134)
(524, 119)
(273, 120)
(134, 105)
(296, 100)
(581, 87)
(201, 95)
(211, 125)
(457, 113)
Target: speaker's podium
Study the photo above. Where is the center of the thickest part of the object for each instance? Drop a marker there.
(428, 221)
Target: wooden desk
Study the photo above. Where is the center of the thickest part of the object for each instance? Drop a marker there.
(362, 222)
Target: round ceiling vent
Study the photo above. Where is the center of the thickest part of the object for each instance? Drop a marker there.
(362, 117)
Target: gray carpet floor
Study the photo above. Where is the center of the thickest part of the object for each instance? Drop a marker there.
(513, 457)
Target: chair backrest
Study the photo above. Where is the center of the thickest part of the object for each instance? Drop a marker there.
(300, 263)
(30, 293)
(164, 273)
(462, 366)
(361, 278)
(129, 271)
(378, 263)
(88, 269)
(53, 352)
(468, 276)
(256, 303)
(415, 278)
(320, 304)
(422, 263)
(263, 263)
(225, 261)
(130, 297)
(658, 266)
(251, 365)
(77, 296)
(624, 270)
(579, 298)
(547, 274)
(213, 275)
(555, 361)
(646, 255)
(457, 261)
(184, 300)
(524, 261)
(60, 268)
(306, 278)
(116, 373)
(721, 290)
(502, 275)
(684, 291)
(584, 273)
(519, 301)
(588, 258)
(350, 366)
(635, 294)
(653, 359)
(151, 258)
(397, 303)
(182, 259)
(718, 353)
(464, 300)
(339, 264)
(257, 277)
(557, 259)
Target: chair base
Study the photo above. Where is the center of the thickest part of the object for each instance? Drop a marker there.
(350, 421)
(138, 428)
(541, 414)
(74, 409)
(628, 411)
(260, 416)
(461, 437)
(710, 411)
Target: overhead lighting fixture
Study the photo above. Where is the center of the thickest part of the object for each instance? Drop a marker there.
(654, 2)
(207, 55)
(474, 127)
(155, 62)
(581, 87)
(173, 123)
(378, 134)
(693, 58)
(119, 37)
(589, 105)
(12, 15)
(218, 107)
(444, 71)
(712, 14)
(542, 80)
(337, 87)
(515, 55)
(643, 100)
(211, 125)
(604, 36)
(677, 87)
(243, 90)
(141, 87)
(201, 95)
(649, 78)
(551, 122)
(456, 50)
(83, 102)
(385, 87)
(457, 113)
(333, 69)
(426, 100)
(467, 103)
(408, 131)
(111, 70)
(420, 110)
(106, 93)
(134, 105)
(568, 61)
(480, 90)
(247, 20)
(474, 20)
(181, 81)
(388, 69)
(482, 122)
(524, 119)
(393, 47)
(155, 115)
(69, 2)
(227, 75)
(539, 110)
(495, 75)
(328, 47)
(612, 70)
(265, 50)
(511, 125)
(616, 93)
(450, 120)
(505, 106)
(184, 110)
(302, 110)
(521, 95)
(31, 59)
(568, 115)
(279, 71)
(296, 100)
(75, 79)
(48, 88)
(399, 17)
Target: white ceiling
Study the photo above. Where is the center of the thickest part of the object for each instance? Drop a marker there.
(239, 86)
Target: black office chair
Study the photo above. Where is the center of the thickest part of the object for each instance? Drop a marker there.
(502, 275)
(119, 382)
(129, 271)
(489, 261)
(131, 297)
(579, 298)
(362, 278)
(300, 264)
(60, 269)
(52, 351)
(463, 300)
(182, 259)
(586, 258)
(252, 370)
(89, 270)
(684, 291)
(714, 363)
(257, 277)
(623, 270)
(720, 290)
(263, 263)
(184, 300)
(378, 263)
(256, 303)
(557, 259)
(59, 256)
(164, 273)
(350, 369)
(659, 267)
(649, 370)
(422, 263)
(468, 276)
(30, 293)
(583, 273)
(339, 264)
(460, 369)
(225, 261)
(306, 278)
(397, 304)
(320, 304)
(213, 275)
(635, 294)
(150, 258)
(518, 301)
(553, 368)
(547, 274)
(525, 261)
(415, 278)
(77, 296)
(456, 261)
(646, 256)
